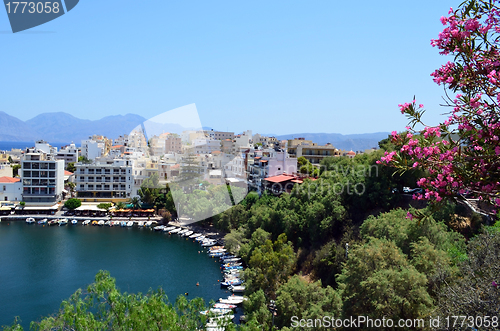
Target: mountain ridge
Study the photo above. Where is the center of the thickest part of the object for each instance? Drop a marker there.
(61, 127)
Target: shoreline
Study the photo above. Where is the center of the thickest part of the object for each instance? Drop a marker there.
(206, 230)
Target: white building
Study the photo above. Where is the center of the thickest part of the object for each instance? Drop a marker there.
(221, 135)
(92, 149)
(68, 154)
(104, 180)
(10, 189)
(42, 178)
(205, 146)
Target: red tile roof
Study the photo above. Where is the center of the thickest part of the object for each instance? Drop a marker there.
(6, 179)
(67, 173)
(279, 178)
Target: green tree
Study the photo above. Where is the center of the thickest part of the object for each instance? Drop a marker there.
(476, 292)
(103, 307)
(297, 297)
(377, 280)
(15, 170)
(71, 167)
(71, 187)
(120, 206)
(72, 203)
(135, 202)
(105, 206)
(270, 266)
(84, 160)
(302, 161)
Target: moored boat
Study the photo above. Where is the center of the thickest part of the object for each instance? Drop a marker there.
(74, 222)
(175, 230)
(224, 305)
(140, 224)
(130, 224)
(30, 220)
(100, 223)
(44, 221)
(187, 234)
(195, 235)
(237, 288)
(63, 222)
(86, 222)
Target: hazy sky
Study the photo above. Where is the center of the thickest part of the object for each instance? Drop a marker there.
(269, 66)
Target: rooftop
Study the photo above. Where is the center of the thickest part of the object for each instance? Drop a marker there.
(6, 179)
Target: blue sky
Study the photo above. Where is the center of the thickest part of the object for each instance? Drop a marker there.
(269, 66)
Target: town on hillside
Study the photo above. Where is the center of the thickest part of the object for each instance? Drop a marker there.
(39, 179)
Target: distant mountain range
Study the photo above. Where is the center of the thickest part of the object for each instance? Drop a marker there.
(63, 128)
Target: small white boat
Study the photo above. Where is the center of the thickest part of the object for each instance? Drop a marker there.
(30, 220)
(149, 223)
(187, 234)
(237, 288)
(231, 301)
(116, 223)
(130, 223)
(195, 235)
(63, 222)
(169, 228)
(217, 311)
(200, 238)
(176, 230)
(100, 223)
(107, 223)
(74, 222)
(208, 243)
(182, 231)
(224, 305)
(140, 224)
(44, 221)
(86, 222)
(159, 228)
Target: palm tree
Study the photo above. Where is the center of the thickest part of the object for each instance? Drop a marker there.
(135, 202)
(120, 205)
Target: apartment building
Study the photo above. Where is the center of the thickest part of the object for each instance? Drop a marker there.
(104, 180)
(68, 154)
(221, 135)
(313, 152)
(42, 178)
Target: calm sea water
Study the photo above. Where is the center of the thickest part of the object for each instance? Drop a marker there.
(41, 266)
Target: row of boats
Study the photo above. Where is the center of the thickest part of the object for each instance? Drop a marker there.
(232, 269)
(64, 221)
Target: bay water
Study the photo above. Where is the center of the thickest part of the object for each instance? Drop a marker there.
(40, 265)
